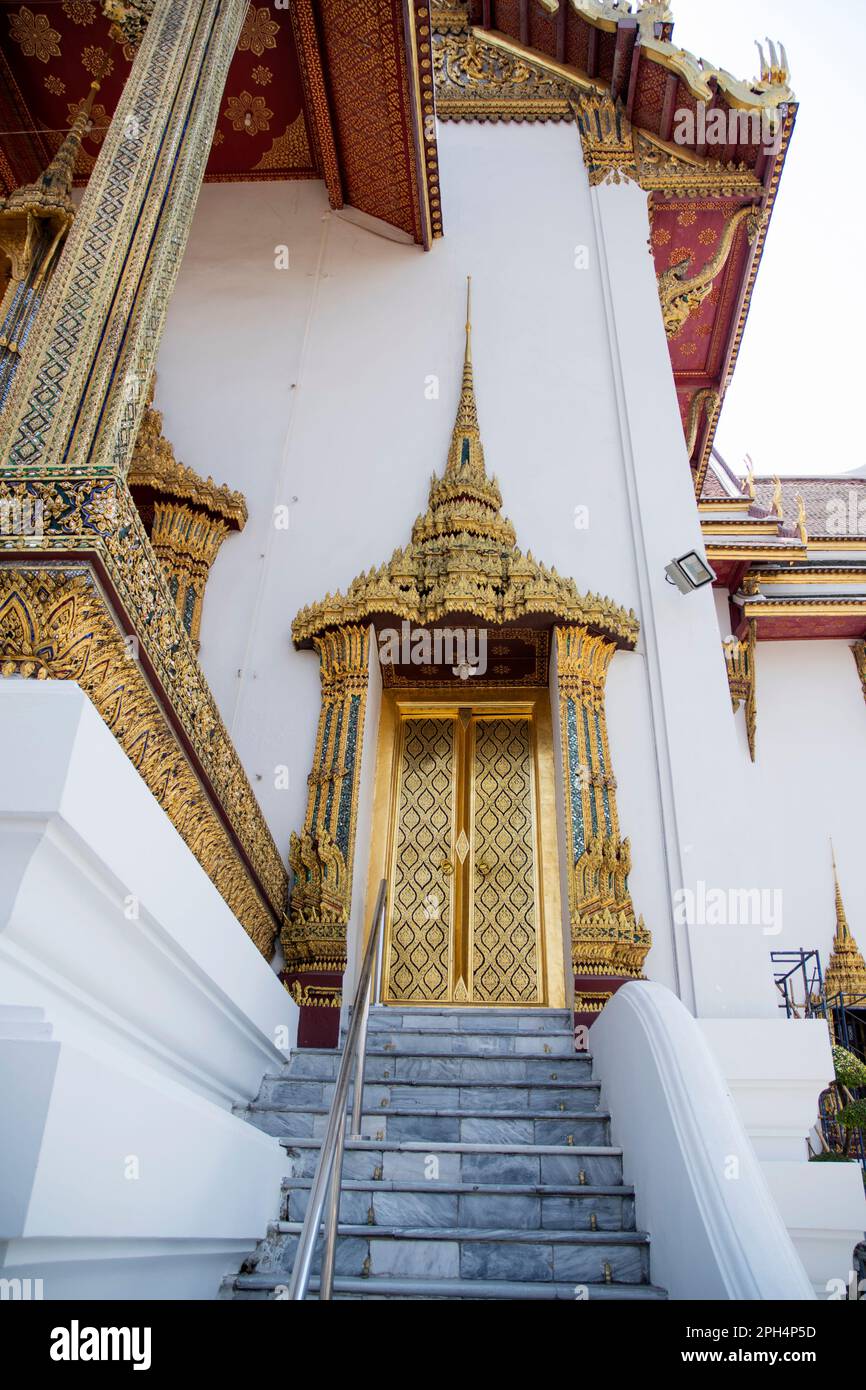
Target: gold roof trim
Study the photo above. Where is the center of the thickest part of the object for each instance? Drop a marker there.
(462, 558)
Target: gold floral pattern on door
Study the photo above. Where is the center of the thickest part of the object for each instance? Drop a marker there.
(419, 962)
(504, 954)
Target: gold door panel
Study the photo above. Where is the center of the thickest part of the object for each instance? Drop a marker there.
(422, 885)
(503, 916)
(465, 919)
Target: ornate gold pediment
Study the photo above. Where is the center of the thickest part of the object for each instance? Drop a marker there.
(482, 76)
(463, 560)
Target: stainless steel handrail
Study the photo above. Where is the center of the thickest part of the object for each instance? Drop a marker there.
(329, 1170)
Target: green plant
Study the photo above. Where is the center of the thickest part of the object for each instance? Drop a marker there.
(850, 1069)
(853, 1115)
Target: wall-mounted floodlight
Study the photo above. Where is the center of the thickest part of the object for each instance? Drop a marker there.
(689, 572)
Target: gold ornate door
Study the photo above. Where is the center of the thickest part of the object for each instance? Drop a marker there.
(464, 876)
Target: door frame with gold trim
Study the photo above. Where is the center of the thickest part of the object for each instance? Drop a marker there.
(534, 705)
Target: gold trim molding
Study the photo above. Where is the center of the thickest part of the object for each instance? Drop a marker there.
(56, 623)
(607, 939)
(483, 76)
(740, 665)
(321, 857)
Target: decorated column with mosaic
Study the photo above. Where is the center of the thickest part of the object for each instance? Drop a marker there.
(321, 857)
(609, 946)
(83, 596)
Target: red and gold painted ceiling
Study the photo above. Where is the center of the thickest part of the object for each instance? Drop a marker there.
(296, 103)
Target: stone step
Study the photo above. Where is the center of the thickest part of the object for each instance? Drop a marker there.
(514, 1096)
(269, 1286)
(25, 1030)
(409, 1041)
(407, 1160)
(466, 1205)
(380, 1066)
(471, 1125)
(583, 1257)
(391, 1017)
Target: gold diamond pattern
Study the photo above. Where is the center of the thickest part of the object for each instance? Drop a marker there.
(420, 954)
(504, 959)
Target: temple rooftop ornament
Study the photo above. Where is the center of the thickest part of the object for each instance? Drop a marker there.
(186, 517)
(462, 560)
(34, 222)
(846, 972)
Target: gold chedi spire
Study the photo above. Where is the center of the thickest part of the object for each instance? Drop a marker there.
(846, 972)
(34, 223)
(49, 197)
(463, 561)
(464, 501)
(466, 449)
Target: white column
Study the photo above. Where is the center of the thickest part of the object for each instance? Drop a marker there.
(702, 788)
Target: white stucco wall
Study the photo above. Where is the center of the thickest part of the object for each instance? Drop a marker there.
(308, 387)
(808, 785)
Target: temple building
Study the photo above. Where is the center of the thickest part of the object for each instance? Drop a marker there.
(480, 714)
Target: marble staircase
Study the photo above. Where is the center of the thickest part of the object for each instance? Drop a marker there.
(485, 1171)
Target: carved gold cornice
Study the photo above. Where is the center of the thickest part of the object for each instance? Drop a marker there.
(477, 80)
(316, 996)
(607, 139)
(484, 76)
(463, 559)
(667, 168)
(740, 665)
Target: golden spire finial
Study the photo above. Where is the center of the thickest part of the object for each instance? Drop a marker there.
(843, 931)
(467, 356)
(50, 195)
(466, 450)
(750, 477)
(846, 971)
(802, 525)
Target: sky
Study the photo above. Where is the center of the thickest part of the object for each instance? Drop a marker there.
(794, 398)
